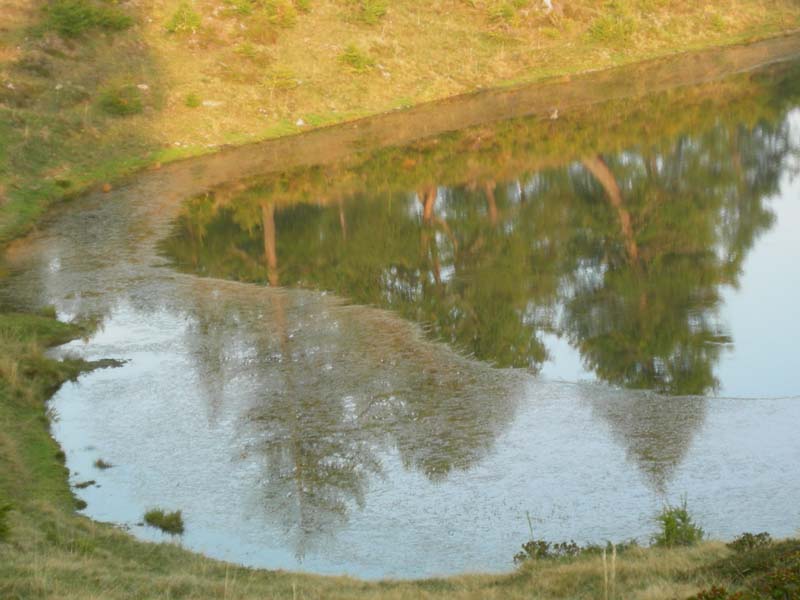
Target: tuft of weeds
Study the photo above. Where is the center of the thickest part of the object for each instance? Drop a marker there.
(356, 60)
(677, 527)
(502, 11)
(367, 11)
(121, 101)
(72, 18)
(192, 100)
(102, 465)
(184, 20)
(168, 522)
(281, 79)
(5, 529)
(615, 26)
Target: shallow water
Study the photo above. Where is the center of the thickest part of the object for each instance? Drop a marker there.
(380, 365)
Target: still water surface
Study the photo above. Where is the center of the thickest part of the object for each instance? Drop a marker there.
(379, 366)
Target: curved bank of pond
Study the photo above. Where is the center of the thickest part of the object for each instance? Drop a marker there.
(378, 362)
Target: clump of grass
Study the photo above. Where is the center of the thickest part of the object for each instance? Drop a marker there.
(102, 465)
(677, 527)
(357, 60)
(614, 26)
(9, 370)
(281, 79)
(184, 20)
(281, 12)
(192, 100)
(85, 484)
(368, 11)
(72, 18)
(169, 522)
(121, 101)
(5, 528)
(505, 10)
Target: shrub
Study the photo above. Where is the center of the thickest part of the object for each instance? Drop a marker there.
(541, 549)
(167, 522)
(121, 101)
(677, 527)
(71, 18)
(750, 541)
(183, 20)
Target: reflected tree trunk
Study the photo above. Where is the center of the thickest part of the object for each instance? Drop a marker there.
(427, 197)
(270, 254)
(342, 220)
(491, 203)
(599, 169)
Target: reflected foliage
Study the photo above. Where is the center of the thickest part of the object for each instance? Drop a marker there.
(625, 253)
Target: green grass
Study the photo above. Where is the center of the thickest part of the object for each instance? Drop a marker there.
(369, 12)
(356, 59)
(184, 20)
(168, 522)
(73, 18)
(122, 101)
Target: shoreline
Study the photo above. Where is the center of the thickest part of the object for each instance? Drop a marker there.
(332, 143)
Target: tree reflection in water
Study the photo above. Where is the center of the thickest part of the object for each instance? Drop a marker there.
(621, 245)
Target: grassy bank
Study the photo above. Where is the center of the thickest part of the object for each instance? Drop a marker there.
(94, 90)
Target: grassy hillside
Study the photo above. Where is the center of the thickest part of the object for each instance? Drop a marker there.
(92, 89)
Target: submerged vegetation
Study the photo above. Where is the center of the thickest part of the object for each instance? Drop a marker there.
(168, 522)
